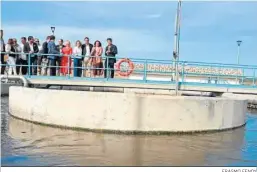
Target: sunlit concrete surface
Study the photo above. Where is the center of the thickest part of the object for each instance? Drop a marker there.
(126, 111)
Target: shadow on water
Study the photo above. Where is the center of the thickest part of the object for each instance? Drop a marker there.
(27, 144)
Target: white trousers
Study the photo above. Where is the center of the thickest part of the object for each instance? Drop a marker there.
(11, 68)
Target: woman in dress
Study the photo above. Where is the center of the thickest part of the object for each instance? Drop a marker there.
(77, 52)
(11, 61)
(66, 59)
(97, 60)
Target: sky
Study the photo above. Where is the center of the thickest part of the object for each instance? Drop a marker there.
(209, 30)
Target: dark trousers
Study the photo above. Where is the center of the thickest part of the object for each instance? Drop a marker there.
(110, 66)
(3, 63)
(75, 65)
(24, 69)
(58, 62)
(33, 65)
(79, 70)
(52, 64)
(39, 61)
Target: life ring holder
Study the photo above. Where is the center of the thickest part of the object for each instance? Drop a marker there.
(129, 71)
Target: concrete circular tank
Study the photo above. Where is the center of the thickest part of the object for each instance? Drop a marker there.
(126, 112)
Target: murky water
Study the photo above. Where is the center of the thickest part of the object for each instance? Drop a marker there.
(26, 144)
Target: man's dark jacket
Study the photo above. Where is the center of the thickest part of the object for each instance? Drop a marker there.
(27, 49)
(84, 49)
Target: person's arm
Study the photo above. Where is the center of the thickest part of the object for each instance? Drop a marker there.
(106, 49)
(49, 48)
(114, 50)
(71, 50)
(74, 52)
(83, 49)
(55, 50)
(25, 49)
(36, 49)
(92, 52)
(8, 48)
(100, 52)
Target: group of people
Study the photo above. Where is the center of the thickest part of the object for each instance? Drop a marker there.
(60, 59)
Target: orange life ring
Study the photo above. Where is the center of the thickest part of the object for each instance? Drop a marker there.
(129, 71)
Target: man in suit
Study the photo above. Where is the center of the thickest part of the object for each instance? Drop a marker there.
(110, 53)
(86, 52)
(52, 50)
(2, 50)
(31, 48)
(23, 58)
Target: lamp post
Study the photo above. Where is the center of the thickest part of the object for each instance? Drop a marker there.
(238, 50)
(176, 44)
(177, 32)
(52, 29)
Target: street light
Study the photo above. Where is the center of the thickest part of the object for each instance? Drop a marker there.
(238, 50)
(176, 44)
(52, 29)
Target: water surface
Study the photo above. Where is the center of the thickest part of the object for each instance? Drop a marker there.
(26, 144)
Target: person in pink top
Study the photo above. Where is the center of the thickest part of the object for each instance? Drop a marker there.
(97, 60)
(66, 59)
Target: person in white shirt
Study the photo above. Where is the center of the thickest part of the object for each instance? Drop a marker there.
(10, 50)
(77, 52)
(86, 59)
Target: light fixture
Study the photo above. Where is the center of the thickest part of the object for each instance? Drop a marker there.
(239, 42)
(52, 29)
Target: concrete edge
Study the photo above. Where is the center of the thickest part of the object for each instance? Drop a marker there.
(129, 132)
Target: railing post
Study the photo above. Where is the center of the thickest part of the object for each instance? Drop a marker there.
(218, 78)
(29, 67)
(107, 69)
(183, 70)
(242, 82)
(69, 59)
(237, 79)
(177, 77)
(83, 66)
(254, 77)
(145, 71)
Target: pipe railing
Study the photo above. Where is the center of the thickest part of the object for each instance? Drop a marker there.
(16, 77)
(147, 68)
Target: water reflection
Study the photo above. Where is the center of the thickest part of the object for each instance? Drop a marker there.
(85, 148)
(51, 146)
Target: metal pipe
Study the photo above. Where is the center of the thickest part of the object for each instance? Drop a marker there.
(238, 54)
(16, 77)
(196, 93)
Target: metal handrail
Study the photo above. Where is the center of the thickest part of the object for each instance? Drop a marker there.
(184, 69)
(16, 77)
(169, 62)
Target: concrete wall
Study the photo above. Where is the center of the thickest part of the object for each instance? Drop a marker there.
(5, 88)
(126, 111)
(251, 98)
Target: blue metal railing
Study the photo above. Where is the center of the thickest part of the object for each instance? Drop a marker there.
(159, 71)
